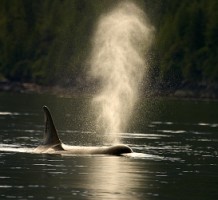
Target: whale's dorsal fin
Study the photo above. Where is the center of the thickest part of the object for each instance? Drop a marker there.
(50, 134)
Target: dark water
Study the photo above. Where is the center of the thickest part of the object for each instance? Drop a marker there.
(178, 142)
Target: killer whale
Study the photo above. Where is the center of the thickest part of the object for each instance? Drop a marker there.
(52, 144)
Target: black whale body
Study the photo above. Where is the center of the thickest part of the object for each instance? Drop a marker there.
(52, 143)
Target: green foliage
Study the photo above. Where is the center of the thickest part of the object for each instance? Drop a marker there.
(48, 41)
(187, 42)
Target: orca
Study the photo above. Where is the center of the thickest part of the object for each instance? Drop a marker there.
(53, 145)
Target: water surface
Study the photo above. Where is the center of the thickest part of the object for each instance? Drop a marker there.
(175, 140)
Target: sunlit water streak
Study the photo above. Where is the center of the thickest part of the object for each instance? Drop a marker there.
(13, 114)
(118, 62)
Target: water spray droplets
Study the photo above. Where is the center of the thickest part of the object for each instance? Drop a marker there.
(118, 63)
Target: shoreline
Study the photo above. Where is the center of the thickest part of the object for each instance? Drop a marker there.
(32, 88)
(181, 93)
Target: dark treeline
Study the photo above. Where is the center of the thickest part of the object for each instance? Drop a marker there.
(48, 41)
(187, 43)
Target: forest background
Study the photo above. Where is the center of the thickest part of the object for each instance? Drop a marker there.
(47, 42)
